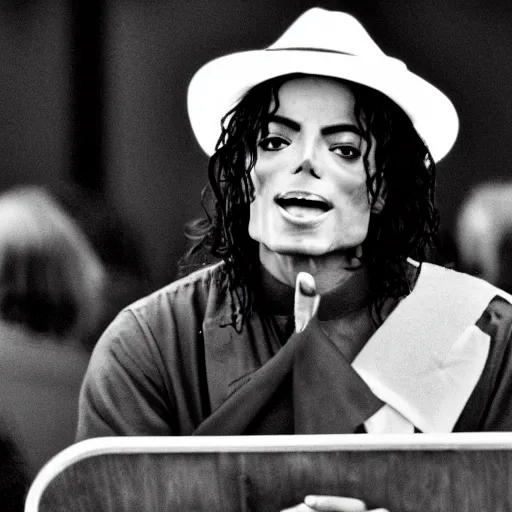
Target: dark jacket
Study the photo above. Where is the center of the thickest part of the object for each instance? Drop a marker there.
(171, 364)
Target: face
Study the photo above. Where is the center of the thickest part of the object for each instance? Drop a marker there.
(310, 182)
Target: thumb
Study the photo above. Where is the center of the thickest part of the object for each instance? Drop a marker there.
(306, 300)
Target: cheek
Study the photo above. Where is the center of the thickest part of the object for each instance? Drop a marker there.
(354, 191)
(256, 181)
(262, 180)
(361, 196)
(257, 206)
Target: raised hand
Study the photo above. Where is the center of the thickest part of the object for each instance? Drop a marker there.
(306, 300)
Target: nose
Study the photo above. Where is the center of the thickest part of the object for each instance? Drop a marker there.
(309, 160)
(308, 166)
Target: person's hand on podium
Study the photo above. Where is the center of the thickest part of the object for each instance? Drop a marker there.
(331, 504)
(306, 306)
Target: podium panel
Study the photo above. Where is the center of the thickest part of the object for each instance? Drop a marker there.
(413, 473)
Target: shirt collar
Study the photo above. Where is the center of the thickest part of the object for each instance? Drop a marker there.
(351, 295)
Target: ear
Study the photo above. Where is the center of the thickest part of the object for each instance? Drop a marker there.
(380, 201)
(379, 204)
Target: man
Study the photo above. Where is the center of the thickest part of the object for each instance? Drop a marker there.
(323, 315)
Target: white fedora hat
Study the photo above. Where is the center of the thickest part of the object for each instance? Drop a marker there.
(327, 43)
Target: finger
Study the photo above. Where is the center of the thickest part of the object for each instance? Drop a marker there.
(306, 284)
(306, 300)
(335, 503)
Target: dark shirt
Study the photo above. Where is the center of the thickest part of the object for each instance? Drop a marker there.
(171, 364)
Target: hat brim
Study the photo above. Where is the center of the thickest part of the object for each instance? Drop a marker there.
(219, 85)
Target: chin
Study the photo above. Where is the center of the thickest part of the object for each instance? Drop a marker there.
(306, 244)
(302, 249)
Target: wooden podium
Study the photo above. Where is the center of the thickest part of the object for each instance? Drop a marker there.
(404, 473)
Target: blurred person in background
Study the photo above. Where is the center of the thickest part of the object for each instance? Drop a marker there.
(113, 240)
(51, 299)
(324, 314)
(484, 234)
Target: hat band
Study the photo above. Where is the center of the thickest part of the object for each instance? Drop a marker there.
(305, 49)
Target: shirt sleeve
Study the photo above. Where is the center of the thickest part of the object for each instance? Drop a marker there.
(123, 392)
(490, 405)
(497, 412)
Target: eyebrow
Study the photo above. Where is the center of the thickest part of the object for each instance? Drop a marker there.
(327, 130)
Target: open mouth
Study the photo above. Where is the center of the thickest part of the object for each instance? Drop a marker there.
(303, 206)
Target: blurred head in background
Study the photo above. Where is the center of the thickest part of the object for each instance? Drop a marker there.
(51, 280)
(484, 233)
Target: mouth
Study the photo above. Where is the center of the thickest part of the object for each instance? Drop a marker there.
(303, 205)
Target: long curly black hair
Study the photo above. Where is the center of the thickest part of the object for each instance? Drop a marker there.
(406, 226)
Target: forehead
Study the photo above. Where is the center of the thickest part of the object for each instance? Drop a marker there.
(316, 98)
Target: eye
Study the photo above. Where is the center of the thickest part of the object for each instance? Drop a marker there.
(346, 152)
(273, 143)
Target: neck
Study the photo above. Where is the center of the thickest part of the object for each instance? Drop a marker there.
(329, 270)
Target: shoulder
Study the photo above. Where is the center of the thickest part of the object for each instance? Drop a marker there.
(200, 293)
(434, 279)
(173, 315)
(447, 302)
